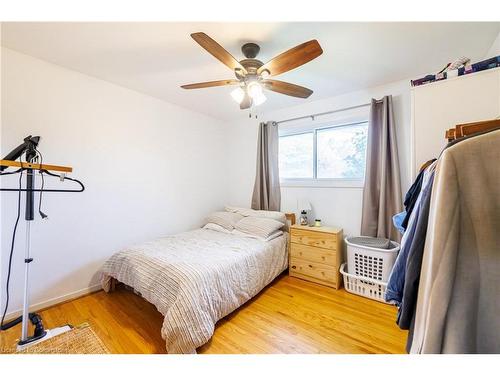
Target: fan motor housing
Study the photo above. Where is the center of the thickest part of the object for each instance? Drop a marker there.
(250, 50)
(251, 65)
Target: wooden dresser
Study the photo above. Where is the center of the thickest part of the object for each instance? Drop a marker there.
(316, 254)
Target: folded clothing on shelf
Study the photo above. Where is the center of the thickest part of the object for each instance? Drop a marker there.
(448, 72)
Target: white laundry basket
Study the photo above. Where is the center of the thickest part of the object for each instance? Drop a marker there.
(371, 257)
(369, 264)
(363, 286)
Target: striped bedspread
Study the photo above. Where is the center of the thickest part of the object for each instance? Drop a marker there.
(196, 278)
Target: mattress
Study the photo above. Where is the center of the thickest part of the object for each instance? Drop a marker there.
(196, 278)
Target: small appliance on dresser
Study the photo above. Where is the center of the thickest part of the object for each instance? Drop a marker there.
(316, 254)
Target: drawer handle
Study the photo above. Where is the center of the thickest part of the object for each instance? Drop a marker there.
(310, 266)
(294, 267)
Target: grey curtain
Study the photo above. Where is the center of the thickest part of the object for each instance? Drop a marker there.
(266, 190)
(382, 190)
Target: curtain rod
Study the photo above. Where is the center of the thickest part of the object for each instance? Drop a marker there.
(325, 113)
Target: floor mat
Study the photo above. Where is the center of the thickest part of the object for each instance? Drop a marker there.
(79, 340)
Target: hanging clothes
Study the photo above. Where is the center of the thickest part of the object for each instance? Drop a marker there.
(457, 306)
(406, 310)
(397, 220)
(411, 198)
(396, 281)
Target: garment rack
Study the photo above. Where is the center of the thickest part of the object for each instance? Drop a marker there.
(471, 128)
(40, 333)
(43, 168)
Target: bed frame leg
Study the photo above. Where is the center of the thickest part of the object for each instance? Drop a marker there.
(113, 285)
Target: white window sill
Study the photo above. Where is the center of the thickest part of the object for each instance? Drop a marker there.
(322, 183)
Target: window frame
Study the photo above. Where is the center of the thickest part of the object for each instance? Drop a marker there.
(322, 182)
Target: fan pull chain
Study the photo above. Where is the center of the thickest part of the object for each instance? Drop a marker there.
(256, 116)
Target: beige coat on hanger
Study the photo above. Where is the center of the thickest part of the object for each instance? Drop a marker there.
(458, 299)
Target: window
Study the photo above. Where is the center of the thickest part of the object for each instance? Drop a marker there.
(326, 153)
(342, 151)
(296, 156)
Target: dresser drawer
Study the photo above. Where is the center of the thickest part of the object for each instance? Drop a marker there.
(312, 238)
(313, 254)
(312, 271)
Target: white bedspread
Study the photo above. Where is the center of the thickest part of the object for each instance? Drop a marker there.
(196, 278)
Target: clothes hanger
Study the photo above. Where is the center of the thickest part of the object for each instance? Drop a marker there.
(43, 171)
(471, 128)
(426, 164)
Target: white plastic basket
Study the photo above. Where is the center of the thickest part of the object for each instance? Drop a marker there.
(364, 286)
(370, 262)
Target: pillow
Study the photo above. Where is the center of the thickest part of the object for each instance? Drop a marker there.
(276, 234)
(216, 227)
(258, 226)
(239, 210)
(275, 215)
(226, 220)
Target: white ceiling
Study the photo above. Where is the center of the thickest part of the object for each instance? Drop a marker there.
(156, 58)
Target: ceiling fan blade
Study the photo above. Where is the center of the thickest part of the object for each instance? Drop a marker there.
(216, 50)
(287, 88)
(246, 102)
(293, 58)
(202, 85)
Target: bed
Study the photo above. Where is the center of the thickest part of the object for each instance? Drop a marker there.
(196, 278)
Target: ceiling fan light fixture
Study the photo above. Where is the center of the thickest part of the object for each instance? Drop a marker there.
(259, 99)
(238, 95)
(254, 89)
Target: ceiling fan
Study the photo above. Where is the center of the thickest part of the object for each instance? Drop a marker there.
(252, 74)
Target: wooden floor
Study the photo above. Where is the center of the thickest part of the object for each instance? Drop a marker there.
(289, 316)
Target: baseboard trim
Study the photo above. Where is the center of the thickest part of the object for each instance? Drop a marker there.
(55, 301)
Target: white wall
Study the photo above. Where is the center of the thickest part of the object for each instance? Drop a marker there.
(495, 48)
(339, 206)
(149, 167)
(472, 97)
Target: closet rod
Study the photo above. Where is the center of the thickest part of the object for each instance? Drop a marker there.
(326, 113)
